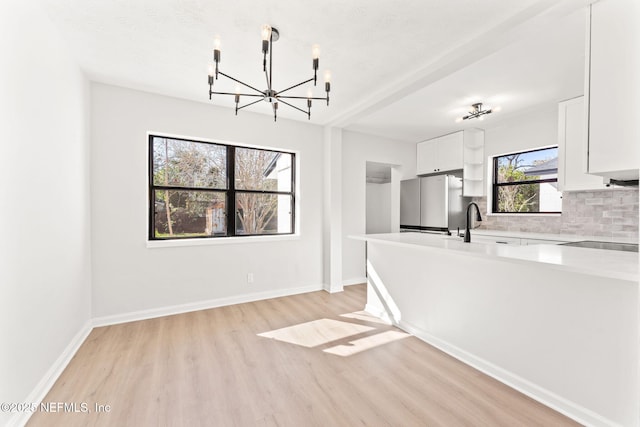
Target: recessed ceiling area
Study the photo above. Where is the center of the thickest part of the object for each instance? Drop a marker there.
(540, 70)
(373, 50)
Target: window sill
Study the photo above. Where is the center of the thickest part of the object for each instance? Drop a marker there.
(153, 244)
(538, 215)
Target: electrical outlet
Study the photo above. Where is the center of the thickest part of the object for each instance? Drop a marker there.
(249, 277)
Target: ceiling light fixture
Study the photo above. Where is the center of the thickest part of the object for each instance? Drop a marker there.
(476, 112)
(269, 36)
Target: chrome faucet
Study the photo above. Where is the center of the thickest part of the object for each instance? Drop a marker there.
(467, 232)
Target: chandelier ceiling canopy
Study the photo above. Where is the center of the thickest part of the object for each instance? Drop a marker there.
(270, 95)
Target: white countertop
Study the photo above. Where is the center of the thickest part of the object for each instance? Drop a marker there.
(598, 262)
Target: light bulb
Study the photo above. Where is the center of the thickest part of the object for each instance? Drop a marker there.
(309, 93)
(212, 69)
(459, 119)
(481, 118)
(216, 43)
(237, 90)
(315, 51)
(266, 32)
(327, 76)
(496, 109)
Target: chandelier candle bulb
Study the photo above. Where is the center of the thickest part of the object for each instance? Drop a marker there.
(266, 33)
(266, 39)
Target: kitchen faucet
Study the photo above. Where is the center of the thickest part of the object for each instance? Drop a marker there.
(467, 232)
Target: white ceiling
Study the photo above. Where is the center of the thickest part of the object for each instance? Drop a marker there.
(442, 54)
(534, 72)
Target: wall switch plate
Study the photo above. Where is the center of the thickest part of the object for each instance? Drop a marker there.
(249, 277)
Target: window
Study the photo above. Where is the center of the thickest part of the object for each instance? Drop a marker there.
(526, 182)
(194, 185)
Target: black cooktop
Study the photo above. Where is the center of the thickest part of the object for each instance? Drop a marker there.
(614, 246)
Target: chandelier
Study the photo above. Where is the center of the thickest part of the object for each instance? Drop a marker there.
(270, 95)
(476, 112)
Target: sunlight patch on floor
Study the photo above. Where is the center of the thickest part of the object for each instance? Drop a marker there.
(316, 332)
(366, 343)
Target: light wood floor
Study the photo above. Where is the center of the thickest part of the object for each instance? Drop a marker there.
(305, 360)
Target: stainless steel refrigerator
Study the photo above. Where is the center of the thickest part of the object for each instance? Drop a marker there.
(433, 203)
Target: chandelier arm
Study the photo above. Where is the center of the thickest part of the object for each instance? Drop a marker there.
(242, 83)
(295, 86)
(251, 103)
(241, 94)
(292, 106)
(300, 97)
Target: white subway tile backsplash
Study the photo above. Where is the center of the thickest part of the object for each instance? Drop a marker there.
(605, 213)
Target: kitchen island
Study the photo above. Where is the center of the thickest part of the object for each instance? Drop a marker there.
(558, 323)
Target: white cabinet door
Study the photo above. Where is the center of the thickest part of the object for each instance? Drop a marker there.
(427, 160)
(440, 154)
(614, 89)
(572, 148)
(450, 152)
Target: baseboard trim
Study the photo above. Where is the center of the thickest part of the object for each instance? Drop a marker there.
(41, 389)
(354, 281)
(201, 305)
(572, 410)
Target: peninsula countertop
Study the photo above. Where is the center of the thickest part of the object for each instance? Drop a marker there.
(597, 262)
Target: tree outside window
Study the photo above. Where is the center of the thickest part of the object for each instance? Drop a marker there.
(527, 182)
(193, 184)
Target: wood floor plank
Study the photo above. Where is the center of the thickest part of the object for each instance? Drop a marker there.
(304, 360)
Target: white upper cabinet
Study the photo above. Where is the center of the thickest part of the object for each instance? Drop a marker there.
(613, 89)
(440, 154)
(460, 150)
(572, 148)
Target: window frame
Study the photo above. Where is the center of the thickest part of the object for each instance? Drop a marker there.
(230, 191)
(495, 186)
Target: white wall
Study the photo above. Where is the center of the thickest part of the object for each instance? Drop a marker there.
(535, 129)
(357, 150)
(128, 276)
(44, 203)
(378, 216)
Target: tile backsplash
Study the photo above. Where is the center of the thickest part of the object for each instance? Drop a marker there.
(604, 213)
